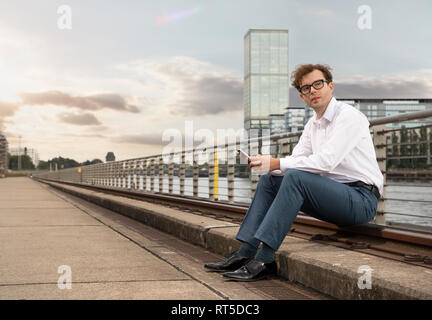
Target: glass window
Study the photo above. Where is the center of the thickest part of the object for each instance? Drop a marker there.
(283, 93)
(255, 97)
(274, 53)
(246, 55)
(255, 53)
(275, 88)
(265, 96)
(265, 53)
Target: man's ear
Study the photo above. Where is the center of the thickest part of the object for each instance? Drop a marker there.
(331, 86)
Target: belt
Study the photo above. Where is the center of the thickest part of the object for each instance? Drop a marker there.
(370, 187)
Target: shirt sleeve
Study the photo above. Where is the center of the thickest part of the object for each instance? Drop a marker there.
(349, 129)
(304, 146)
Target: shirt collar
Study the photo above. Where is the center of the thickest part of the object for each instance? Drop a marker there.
(329, 113)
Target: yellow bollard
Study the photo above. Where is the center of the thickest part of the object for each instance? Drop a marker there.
(216, 177)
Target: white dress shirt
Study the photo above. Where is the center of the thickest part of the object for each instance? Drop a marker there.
(338, 146)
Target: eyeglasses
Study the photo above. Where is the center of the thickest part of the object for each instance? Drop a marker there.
(318, 84)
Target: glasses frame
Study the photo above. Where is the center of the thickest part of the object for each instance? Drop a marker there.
(314, 84)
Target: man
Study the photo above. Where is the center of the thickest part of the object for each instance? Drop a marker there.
(331, 175)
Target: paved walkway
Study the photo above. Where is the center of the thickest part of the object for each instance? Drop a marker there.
(44, 234)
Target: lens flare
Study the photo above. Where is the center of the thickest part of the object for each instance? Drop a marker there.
(174, 16)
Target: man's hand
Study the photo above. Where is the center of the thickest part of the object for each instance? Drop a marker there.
(263, 164)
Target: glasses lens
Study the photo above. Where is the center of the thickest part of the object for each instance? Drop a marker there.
(318, 84)
(305, 89)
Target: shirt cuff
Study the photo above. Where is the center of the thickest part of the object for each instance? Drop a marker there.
(286, 163)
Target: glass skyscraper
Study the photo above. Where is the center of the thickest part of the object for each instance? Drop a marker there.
(266, 80)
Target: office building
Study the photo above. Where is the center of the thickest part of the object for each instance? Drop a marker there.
(378, 108)
(266, 80)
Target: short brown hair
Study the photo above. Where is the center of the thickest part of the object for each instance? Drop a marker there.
(303, 69)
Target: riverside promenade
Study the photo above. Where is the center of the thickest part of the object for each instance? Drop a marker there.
(56, 246)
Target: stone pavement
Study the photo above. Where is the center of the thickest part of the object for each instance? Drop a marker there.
(44, 234)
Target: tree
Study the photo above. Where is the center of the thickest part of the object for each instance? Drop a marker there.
(26, 163)
(43, 165)
(94, 161)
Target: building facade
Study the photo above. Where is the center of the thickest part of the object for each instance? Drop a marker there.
(266, 80)
(378, 108)
(297, 117)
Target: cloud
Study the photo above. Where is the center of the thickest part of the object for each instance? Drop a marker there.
(7, 109)
(396, 89)
(91, 102)
(85, 119)
(204, 89)
(209, 95)
(185, 86)
(148, 139)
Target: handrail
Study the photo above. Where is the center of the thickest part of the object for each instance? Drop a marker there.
(133, 174)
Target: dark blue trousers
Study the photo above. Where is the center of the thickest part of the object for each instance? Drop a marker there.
(278, 199)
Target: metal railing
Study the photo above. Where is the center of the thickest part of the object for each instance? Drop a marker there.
(218, 175)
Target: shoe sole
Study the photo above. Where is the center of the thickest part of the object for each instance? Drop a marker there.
(265, 277)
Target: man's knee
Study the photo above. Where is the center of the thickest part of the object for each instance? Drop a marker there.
(264, 180)
(294, 175)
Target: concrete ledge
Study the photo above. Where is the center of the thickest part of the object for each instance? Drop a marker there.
(328, 269)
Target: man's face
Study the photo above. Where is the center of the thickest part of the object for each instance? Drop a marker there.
(316, 98)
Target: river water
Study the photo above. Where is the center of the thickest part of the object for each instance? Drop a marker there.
(412, 198)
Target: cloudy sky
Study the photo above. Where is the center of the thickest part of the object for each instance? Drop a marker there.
(127, 71)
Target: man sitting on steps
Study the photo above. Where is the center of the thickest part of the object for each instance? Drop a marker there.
(332, 175)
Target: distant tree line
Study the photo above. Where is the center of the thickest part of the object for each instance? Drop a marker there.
(62, 163)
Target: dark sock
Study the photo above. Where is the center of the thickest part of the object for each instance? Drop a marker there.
(247, 250)
(265, 254)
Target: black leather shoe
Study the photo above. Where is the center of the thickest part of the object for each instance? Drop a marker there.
(233, 262)
(252, 271)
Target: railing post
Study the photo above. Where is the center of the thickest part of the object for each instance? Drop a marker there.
(117, 174)
(211, 172)
(230, 163)
(128, 174)
(182, 173)
(161, 174)
(133, 177)
(152, 174)
(143, 174)
(98, 174)
(171, 174)
(428, 148)
(123, 167)
(254, 145)
(195, 173)
(379, 140)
